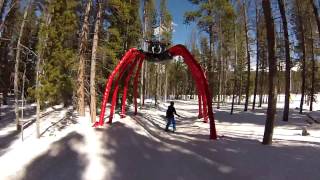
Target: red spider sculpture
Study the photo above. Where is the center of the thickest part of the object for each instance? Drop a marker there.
(157, 52)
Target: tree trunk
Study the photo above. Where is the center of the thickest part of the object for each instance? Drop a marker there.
(22, 89)
(38, 110)
(288, 61)
(93, 103)
(142, 85)
(166, 84)
(240, 88)
(156, 88)
(210, 71)
(313, 70)
(82, 53)
(225, 80)
(17, 62)
(316, 14)
(257, 63)
(303, 73)
(148, 86)
(42, 46)
(1, 4)
(144, 80)
(143, 74)
(2, 8)
(235, 69)
(268, 133)
(220, 76)
(262, 78)
(248, 57)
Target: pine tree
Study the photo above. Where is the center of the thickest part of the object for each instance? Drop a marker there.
(150, 18)
(257, 56)
(214, 18)
(2, 8)
(82, 53)
(235, 69)
(8, 31)
(149, 23)
(269, 23)
(166, 36)
(17, 62)
(59, 54)
(166, 22)
(93, 62)
(204, 18)
(288, 61)
(248, 54)
(3, 5)
(316, 15)
(302, 45)
(124, 32)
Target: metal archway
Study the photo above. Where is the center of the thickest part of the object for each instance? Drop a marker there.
(133, 59)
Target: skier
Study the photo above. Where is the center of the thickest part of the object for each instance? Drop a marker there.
(170, 116)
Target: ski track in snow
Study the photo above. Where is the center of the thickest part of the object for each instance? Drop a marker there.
(137, 148)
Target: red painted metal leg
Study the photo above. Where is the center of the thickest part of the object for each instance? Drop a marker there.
(197, 73)
(116, 89)
(124, 97)
(123, 61)
(200, 115)
(113, 104)
(205, 109)
(135, 86)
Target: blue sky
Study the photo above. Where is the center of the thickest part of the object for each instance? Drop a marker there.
(177, 9)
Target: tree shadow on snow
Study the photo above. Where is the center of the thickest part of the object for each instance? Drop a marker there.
(6, 141)
(8, 113)
(159, 156)
(61, 161)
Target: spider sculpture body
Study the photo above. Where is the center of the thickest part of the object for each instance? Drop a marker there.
(157, 52)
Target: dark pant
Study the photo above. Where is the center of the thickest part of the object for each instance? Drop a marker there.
(173, 121)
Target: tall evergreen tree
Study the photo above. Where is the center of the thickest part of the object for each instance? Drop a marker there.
(17, 62)
(3, 5)
(9, 30)
(166, 36)
(302, 45)
(288, 61)
(257, 56)
(124, 32)
(204, 17)
(149, 22)
(82, 56)
(207, 17)
(59, 56)
(269, 23)
(248, 54)
(93, 62)
(166, 22)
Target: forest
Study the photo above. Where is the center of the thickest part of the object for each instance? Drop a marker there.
(159, 89)
(59, 51)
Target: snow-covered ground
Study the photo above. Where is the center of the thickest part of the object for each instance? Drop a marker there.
(137, 147)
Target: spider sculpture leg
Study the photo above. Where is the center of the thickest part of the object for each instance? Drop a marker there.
(200, 115)
(197, 73)
(122, 63)
(116, 89)
(124, 97)
(135, 86)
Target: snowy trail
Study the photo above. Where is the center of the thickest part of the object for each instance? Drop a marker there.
(137, 148)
